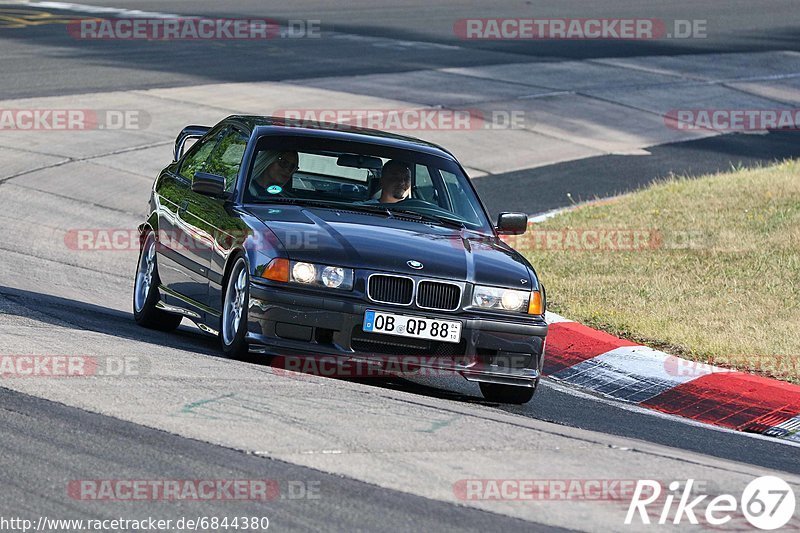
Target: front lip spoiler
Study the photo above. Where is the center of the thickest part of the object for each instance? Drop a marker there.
(473, 371)
(525, 378)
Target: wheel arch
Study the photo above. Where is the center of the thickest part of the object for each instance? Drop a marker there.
(233, 256)
(151, 224)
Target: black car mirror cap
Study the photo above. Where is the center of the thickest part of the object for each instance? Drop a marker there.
(512, 223)
(209, 184)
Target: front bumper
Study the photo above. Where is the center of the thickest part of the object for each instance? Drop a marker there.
(492, 350)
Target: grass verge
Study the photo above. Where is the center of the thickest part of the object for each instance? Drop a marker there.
(705, 268)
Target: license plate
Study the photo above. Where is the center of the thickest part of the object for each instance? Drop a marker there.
(412, 326)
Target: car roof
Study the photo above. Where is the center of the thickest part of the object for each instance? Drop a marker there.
(262, 125)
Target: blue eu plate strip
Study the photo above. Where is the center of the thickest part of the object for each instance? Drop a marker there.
(369, 320)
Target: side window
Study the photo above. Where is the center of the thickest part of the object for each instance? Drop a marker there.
(226, 159)
(461, 204)
(195, 160)
(423, 185)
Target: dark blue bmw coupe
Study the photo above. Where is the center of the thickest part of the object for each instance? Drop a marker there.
(307, 239)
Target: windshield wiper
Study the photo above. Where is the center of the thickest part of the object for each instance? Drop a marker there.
(371, 208)
(332, 205)
(368, 208)
(445, 221)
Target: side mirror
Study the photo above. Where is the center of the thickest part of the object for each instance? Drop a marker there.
(209, 184)
(512, 223)
(189, 132)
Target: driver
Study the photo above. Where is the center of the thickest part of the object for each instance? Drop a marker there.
(395, 182)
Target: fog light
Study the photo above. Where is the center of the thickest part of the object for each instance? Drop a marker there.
(304, 272)
(333, 277)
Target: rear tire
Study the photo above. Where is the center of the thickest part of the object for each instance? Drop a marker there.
(145, 291)
(508, 393)
(234, 311)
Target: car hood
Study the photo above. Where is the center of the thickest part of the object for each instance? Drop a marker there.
(375, 242)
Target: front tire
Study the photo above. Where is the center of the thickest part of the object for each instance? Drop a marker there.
(496, 393)
(145, 291)
(234, 311)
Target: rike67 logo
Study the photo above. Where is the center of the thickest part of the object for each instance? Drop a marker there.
(767, 503)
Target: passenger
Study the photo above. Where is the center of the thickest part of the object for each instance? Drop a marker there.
(270, 169)
(395, 182)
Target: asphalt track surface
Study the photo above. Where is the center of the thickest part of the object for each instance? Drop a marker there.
(44, 444)
(72, 440)
(563, 184)
(47, 61)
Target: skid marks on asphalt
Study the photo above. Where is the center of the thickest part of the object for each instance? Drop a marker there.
(237, 407)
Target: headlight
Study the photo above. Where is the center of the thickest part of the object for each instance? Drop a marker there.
(513, 300)
(501, 299)
(304, 272)
(332, 277)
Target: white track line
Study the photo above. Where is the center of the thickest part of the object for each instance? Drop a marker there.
(99, 10)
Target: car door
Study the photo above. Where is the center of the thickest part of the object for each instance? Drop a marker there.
(181, 267)
(217, 228)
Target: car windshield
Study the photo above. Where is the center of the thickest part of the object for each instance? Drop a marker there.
(364, 177)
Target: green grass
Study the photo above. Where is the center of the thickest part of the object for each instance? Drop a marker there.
(721, 284)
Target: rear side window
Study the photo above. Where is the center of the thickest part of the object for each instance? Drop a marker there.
(226, 158)
(195, 160)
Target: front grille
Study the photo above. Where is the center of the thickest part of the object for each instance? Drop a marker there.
(435, 295)
(391, 289)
